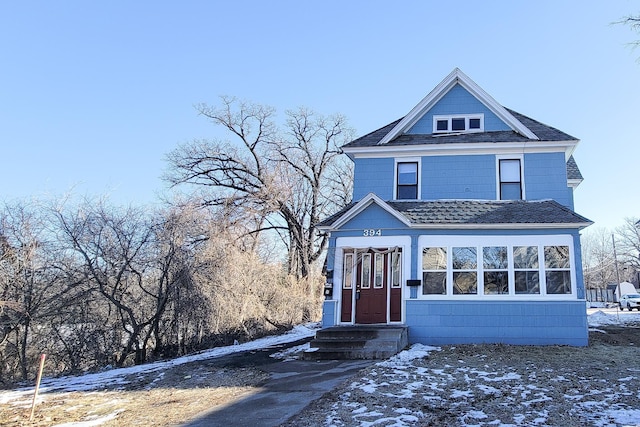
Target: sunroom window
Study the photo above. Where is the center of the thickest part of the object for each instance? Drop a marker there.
(496, 267)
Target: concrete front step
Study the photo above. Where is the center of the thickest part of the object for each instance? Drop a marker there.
(357, 342)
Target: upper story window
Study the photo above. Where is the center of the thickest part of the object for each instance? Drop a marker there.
(510, 172)
(407, 180)
(458, 123)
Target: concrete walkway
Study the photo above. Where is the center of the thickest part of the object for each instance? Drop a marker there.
(291, 387)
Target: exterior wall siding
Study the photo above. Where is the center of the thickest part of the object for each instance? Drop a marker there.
(329, 309)
(509, 322)
(373, 176)
(458, 101)
(459, 177)
(545, 177)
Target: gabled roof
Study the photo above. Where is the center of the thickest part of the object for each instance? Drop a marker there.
(456, 77)
(353, 209)
(573, 173)
(476, 214)
(524, 129)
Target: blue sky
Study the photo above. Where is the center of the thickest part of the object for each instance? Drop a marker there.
(94, 94)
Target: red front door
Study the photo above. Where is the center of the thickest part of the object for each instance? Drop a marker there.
(371, 283)
(371, 288)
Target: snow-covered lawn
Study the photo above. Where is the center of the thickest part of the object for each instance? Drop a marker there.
(495, 385)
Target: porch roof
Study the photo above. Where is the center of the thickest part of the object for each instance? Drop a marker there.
(476, 213)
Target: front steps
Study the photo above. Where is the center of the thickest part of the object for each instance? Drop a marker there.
(357, 342)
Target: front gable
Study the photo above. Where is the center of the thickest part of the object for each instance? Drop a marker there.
(371, 209)
(456, 81)
(458, 102)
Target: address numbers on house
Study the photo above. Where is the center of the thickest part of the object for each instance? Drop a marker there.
(370, 232)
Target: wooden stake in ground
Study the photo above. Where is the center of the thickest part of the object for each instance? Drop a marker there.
(35, 393)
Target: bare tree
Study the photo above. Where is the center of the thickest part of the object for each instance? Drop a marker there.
(633, 22)
(280, 180)
(597, 258)
(628, 245)
(34, 291)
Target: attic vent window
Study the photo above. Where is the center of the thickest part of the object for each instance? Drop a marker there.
(458, 123)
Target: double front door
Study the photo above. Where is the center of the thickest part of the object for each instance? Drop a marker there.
(371, 286)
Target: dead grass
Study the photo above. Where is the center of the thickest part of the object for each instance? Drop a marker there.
(170, 399)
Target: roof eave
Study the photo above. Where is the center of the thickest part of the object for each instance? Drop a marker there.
(501, 226)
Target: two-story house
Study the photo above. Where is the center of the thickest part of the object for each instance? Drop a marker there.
(462, 226)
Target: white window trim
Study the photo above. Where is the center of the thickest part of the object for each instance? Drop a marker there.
(522, 183)
(479, 242)
(417, 160)
(466, 118)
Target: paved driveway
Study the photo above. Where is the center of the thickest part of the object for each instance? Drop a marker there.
(291, 387)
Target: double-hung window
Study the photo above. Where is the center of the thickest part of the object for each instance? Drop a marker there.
(407, 180)
(510, 172)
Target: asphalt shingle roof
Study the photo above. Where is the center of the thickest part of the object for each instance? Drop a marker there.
(572, 169)
(480, 212)
(542, 131)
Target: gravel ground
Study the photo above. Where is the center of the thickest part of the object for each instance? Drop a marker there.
(496, 385)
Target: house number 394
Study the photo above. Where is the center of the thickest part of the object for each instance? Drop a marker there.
(368, 232)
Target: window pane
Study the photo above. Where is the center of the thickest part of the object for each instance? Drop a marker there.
(407, 173)
(395, 270)
(510, 191)
(434, 283)
(442, 125)
(379, 271)
(408, 192)
(348, 271)
(527, 282)
(556, 256)
(558, 282)
(474, 123)
(434, 259)
(495, 257)
(509, 170)
(366, 271)
(525, 257)
(496, 282)
(465, 283)
(464, 258)
(457, 124)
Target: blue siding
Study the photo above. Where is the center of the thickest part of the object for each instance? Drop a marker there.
(459, 177)
(374, 217)
(373, 176)
(329, 313)
(458, 101)
(545, 177)
(509, 322)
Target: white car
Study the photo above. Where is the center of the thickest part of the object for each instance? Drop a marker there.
(630, 301)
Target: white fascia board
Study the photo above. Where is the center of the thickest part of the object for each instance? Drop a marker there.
(578, 225)
(456, 76)
(364, 203)
(573, 183)
(462, 149)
